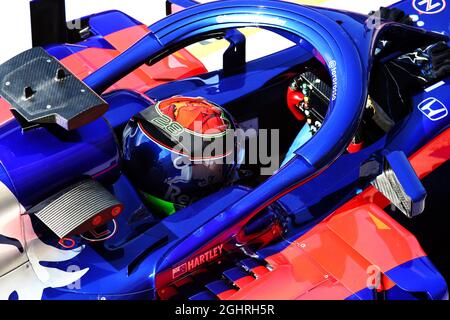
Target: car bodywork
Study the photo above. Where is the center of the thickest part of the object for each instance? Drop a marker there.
(337, 242)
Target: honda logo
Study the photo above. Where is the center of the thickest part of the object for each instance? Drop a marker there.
(429, 6)
(433, 109)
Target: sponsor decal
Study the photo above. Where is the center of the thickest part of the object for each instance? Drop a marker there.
(429, 6)
(99, 236)
(251, 18)
(414, 57)
(179, 271)
(433, 109)
(197, 261)
(333, 69)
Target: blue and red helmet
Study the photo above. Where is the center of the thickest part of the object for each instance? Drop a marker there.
(181, 149)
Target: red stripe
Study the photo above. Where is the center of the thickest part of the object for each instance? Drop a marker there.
(5, 113)
(179, 65)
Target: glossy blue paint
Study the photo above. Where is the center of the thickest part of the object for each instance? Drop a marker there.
(250, 263)
(108, 22)
(204, 295)
(219, 286)
(428, 283)
(110, 271)
(431, 21)
(235, 274)
(135, 218)
(63, 51)
(426, 278)
(100, 26)
(123, 105)
(303, 136)
(39, 169)
(437, 22)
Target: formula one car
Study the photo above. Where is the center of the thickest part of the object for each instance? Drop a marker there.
(129, 171)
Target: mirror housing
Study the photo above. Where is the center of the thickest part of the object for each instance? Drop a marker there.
(399, 183)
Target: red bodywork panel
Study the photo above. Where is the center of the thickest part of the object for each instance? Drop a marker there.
(5, 113)
(337, 257)
(331, 260)
(179, 65)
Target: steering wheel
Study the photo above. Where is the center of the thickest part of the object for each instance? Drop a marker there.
(349, 77)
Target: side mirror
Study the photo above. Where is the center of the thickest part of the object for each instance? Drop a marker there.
(399, 183)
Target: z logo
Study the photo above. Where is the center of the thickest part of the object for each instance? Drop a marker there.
(429, 6)
(433, 109)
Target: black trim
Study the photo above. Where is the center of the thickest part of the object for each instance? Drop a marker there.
(168, 8)
(48, 22)
(12, 242)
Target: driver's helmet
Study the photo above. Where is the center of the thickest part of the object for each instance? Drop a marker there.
(180, 150)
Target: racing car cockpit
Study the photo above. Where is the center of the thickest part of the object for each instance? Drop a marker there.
(400, 70)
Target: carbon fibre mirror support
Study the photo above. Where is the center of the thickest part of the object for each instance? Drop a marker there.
(42, 91)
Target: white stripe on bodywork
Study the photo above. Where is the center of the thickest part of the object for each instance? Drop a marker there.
(435, 86)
